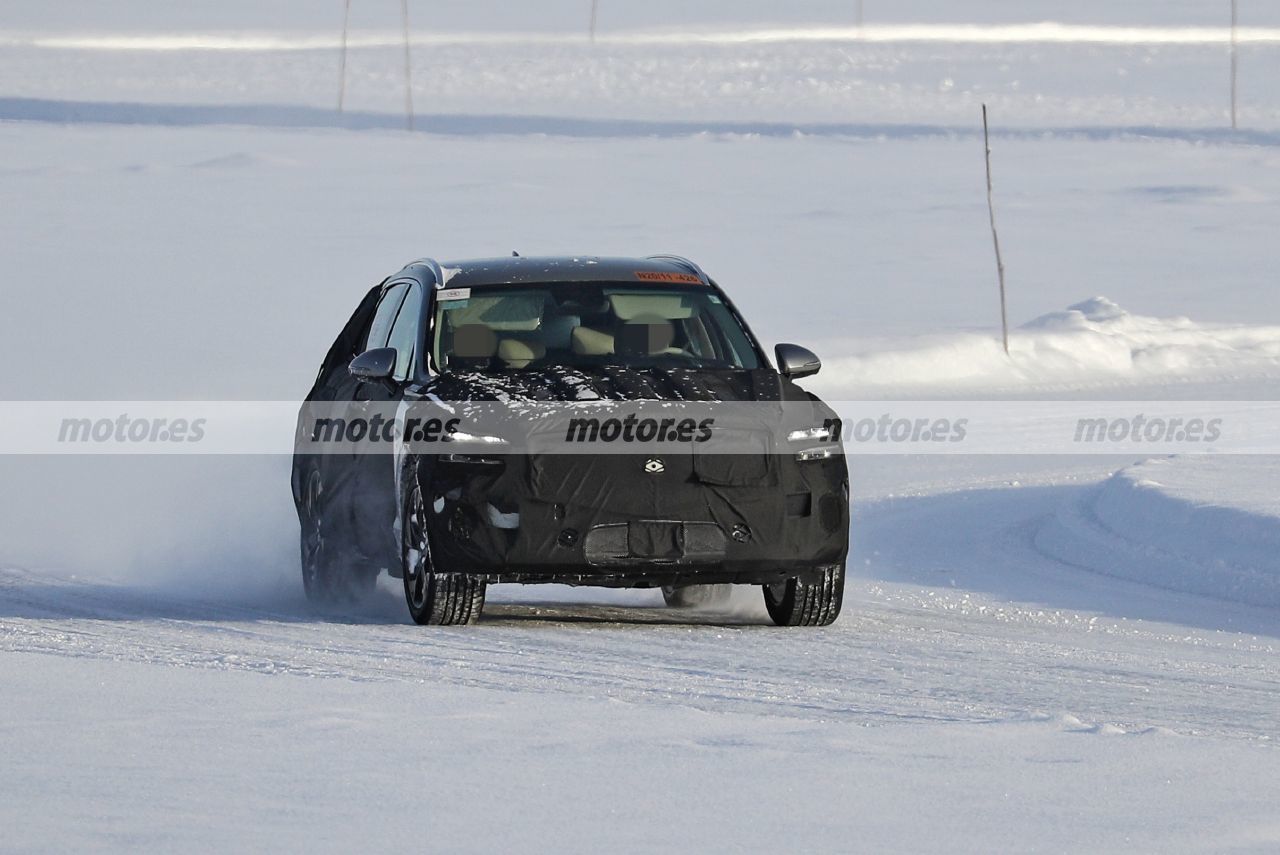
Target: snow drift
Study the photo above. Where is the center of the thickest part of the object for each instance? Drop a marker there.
(1200, 524)
(1095, 340)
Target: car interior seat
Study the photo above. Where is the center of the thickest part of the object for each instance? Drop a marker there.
(518, 353)
(588, 341)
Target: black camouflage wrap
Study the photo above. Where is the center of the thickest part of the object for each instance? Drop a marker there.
(607, 519)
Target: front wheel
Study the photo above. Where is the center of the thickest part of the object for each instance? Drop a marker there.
(325, 579)
(433, 597)
(814, 601)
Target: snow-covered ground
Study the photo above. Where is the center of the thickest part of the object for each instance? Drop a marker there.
(1195, 523)
(1037, 653)
(1087, 345)
(927, 718)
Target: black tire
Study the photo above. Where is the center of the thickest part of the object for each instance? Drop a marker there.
(435, 598)
(697, 596)
(317, 562)
(326, 579)
(795, 602)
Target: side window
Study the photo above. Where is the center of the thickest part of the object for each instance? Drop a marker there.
(386, 314)
(404, 332)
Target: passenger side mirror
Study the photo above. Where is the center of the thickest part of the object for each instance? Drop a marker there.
(795, 361)
(374, 366)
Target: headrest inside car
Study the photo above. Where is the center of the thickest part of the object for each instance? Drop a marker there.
(586, 341)
(518, 354)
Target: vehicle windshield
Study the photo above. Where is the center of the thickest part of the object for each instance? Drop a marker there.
(515, 327)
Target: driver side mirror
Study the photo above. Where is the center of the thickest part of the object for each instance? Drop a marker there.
(795, 361)
(374, 366)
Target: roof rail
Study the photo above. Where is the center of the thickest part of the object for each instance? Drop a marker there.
(685, 263)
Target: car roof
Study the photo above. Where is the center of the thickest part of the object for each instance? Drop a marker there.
(520, 270)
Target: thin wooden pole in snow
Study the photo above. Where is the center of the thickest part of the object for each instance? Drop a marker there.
(342, 62)
(1234, 42)
(859, 14)
(591, 28)
(995, 238)
(408, 76)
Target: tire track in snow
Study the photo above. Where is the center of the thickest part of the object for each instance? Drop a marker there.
(887, 661)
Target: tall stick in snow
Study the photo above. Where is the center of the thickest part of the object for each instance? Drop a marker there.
(342, 61)
(408, 76)
(858, 15)
(591, 27)
(995, 238)
(1235, 18)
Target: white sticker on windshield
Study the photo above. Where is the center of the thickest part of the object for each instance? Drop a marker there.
(453, 294)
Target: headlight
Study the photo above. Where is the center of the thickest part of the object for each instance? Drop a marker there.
(813, 434)
(818, 452)
(471, 458)
(479, 439)
(473, 439)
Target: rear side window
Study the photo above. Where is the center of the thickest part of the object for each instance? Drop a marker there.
(380, 329)
(404, 332)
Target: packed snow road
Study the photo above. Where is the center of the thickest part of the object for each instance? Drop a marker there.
(974, 691)
(952, 616)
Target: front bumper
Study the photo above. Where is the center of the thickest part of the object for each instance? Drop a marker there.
(607, 525)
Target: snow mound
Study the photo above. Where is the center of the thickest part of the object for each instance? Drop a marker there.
(1200, 525)
(1089, 342)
